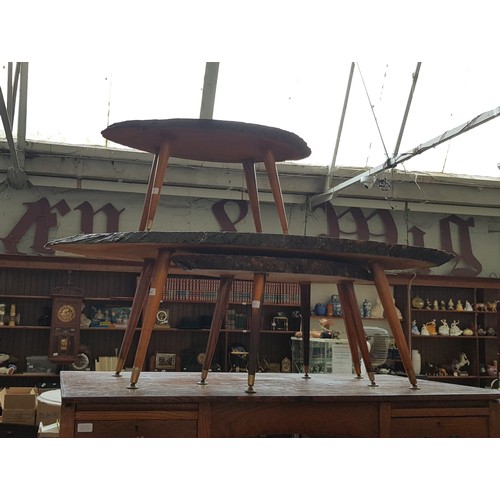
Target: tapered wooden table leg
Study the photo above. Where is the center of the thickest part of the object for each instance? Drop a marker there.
(305, 313)
(384, 293)
(158, 280)
(272, 175)
(253, 194)
(155, 184)
(135, 313)
(147, 198)
(357, 327)
(225, 285)
(259, 282)
(351, 334)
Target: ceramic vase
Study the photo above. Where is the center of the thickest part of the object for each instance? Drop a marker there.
(416, 361)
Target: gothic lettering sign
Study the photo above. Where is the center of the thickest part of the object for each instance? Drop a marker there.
(42, 219)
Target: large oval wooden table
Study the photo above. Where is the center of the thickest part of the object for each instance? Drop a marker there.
(231, 255)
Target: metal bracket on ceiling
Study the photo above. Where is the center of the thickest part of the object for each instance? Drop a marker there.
(392, 162)
(327, 196)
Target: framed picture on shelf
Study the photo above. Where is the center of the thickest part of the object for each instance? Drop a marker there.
(120, 316)
(164, 361)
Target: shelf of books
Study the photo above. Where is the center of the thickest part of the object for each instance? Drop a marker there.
(205, 290)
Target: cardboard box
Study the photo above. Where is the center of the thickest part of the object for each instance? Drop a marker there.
(19, 405)
(48, 431)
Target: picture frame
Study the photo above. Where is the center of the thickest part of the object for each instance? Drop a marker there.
(165, 361)
(120, 316)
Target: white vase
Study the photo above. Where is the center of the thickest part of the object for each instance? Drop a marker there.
(416, 361)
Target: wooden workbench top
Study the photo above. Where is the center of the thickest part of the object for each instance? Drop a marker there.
(178, 387)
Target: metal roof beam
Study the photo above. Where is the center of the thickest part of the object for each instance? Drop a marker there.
(209, 89)
(394, 161)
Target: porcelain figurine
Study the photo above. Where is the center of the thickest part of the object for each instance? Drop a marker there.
(414, 328)
(451, 305)
(337, 308)
(424, 330)
(444, 329)
(398, 312)
(468, 306)
(454, 329)
(467, 332)
(459, 306)
(377, 310)
(431, 327)
(435, 305)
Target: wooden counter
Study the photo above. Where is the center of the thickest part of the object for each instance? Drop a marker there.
(96, 404)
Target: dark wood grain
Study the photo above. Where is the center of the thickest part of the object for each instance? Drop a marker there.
(209, 140)
(175, 405)
(145, 244)
(179, 387)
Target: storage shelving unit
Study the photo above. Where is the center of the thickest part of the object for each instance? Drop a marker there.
(27, 282)
(439, 351)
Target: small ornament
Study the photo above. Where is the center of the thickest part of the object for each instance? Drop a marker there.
(424, 330)
(329, 309)
(454, 329)
(366, 308)
(435, 305)
(398, 312)
(459, 306)
(414, 328)
(377, 310)
(428, 304)
(320, 309)
(442, 305)
(444, 329)
(467, 332)
(337, 308)
(431, 327)
(417, 302)
(451, 305)
(468, 306)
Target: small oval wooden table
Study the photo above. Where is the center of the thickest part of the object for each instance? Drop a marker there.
(219, 141)
(231, 255)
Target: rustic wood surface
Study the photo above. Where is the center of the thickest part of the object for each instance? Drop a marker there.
(209, 140)
(139, 245)
(96, 404)
(178, 387)
(281, 269)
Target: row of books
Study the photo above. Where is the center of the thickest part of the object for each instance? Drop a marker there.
(205, 290)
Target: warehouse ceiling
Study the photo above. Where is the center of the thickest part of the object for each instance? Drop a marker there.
(357, 115)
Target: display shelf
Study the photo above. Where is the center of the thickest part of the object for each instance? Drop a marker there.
(24, 327)
(30, 379)
(28, 283)
(439, 351)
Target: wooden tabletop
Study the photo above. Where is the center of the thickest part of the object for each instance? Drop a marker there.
(139, 245)
(175, 387)
(209, 140)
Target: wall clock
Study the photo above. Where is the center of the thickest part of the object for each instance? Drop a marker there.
(66, 313)
(64, 342)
